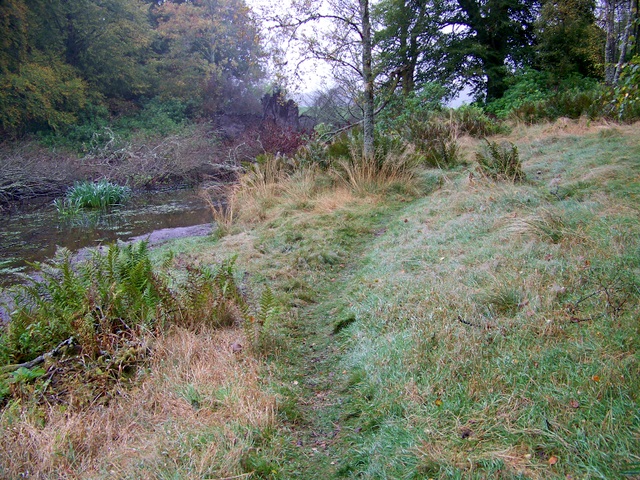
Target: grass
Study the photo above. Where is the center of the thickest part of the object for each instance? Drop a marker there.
(93, 195)
(461, 328)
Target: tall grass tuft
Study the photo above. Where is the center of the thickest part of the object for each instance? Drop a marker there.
(378, 173)
(222, 204)
(98, 195)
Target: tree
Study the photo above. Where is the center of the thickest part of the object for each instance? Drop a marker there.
(106, 42)
(488, 39)
(410, 41)
(347, 43)
(569, 41)
(621, 23)
(206, 48)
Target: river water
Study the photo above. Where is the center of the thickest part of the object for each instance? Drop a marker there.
(35, 232)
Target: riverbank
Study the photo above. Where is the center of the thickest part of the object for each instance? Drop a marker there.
(446, 325)
(29, 170)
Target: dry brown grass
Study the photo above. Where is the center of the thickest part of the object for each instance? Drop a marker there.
(379, 173)
(332, 200)
(191, 417)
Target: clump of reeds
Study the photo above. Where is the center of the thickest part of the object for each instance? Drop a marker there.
(94, 195)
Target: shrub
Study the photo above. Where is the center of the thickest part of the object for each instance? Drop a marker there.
(626, 95)
(103, 308)
(100, 302)
(378, 173)
(534, 96)
(500, 161)
(473, 121)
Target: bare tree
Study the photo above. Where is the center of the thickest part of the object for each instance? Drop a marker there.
(339, 32)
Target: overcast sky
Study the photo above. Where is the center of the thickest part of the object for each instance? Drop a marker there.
(306, 77)
(310, 75)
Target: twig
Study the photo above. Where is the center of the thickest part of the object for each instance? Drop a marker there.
(40, 359)
(466, 322)
(237, 476)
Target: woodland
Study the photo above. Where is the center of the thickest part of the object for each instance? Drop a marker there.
(69, 70)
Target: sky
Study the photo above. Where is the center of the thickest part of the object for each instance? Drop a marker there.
(307, 77)
(312, 75)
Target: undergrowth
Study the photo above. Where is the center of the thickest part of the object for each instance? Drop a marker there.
(104, 310)
(467, 328)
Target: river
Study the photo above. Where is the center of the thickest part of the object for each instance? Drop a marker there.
(33, 233)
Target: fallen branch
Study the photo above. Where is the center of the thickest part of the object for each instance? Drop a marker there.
(466, 322)
(38, 360)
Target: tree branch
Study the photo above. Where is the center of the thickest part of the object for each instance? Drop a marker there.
(38, 360)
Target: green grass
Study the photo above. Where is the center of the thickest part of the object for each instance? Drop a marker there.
(93, 195)
(466, 328)
(483, 331)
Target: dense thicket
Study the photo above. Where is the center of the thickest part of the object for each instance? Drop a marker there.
(61, 60)
(67, 62)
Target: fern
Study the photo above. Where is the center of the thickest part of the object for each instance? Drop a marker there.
(500, 161)
(259, 327)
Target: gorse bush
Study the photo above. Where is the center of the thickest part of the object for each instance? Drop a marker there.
(500, 161)
(98, 195)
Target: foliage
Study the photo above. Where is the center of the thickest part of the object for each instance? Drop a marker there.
(569, 40)
(500, 161)
(97, 301)
(214, 47)
(40, 95)
(408, 31)
(499, 33)
(535, 95)
(421, 103)
(395, 164)
(105, 307)
(210, 297)
(280, 140)
(259, 327)
(98, 195)
(60, 56)
(626, 95)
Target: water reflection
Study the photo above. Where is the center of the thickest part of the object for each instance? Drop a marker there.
(34, 236)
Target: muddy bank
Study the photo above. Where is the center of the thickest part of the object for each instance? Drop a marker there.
(28, 170)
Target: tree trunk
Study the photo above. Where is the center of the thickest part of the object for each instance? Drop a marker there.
(628, 24)
(610, 48)
(368, 151)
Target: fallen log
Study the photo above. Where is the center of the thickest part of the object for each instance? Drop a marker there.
(39, 359)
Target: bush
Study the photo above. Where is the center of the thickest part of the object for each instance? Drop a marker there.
(102, 309)
(626, 95)
(534, 96)
(473, 121)
(500, 161)
(100, 302)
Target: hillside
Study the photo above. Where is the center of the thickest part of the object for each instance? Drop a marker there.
(436, 323)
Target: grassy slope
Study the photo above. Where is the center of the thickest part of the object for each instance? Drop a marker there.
(478, 330)
(490, 329)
